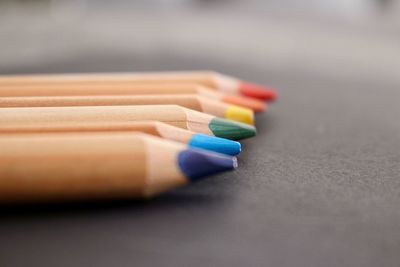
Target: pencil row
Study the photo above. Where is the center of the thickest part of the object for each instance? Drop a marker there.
(80, 136)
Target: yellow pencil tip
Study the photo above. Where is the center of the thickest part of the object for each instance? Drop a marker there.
(240, 114)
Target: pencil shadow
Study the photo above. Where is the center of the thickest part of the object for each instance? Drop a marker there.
(12, 212)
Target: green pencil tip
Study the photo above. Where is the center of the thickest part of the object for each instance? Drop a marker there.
(231, 129)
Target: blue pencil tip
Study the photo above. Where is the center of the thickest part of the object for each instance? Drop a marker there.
(196, 164)
(217, 144)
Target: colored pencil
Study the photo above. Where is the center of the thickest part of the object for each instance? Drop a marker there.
(170, 114)
(126, 88)
(62, 167)
(210, 79)
(159, 129)
(194, 102)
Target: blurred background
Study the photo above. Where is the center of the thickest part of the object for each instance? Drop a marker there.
(353, 39)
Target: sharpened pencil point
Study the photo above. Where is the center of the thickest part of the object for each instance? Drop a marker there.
(257, 91)
(220, 145)
(236, 113)
(230, 129)
(196, 164)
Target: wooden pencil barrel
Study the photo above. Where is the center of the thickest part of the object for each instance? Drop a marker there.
(205, 78)
(190, 101)
(170, 114)
(85, 166)
(117, 88)
(155, 128)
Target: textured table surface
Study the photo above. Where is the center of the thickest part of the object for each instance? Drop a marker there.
(318, 186)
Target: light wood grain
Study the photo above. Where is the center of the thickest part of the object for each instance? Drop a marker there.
(86, 166)
(170, 114)
(116, 88)
(155, 128)
(191, 101)
(206, 78)
(126, 88)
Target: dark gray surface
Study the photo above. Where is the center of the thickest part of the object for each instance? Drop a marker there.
(318, 186)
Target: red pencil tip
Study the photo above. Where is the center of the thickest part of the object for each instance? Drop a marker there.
(257, 91)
